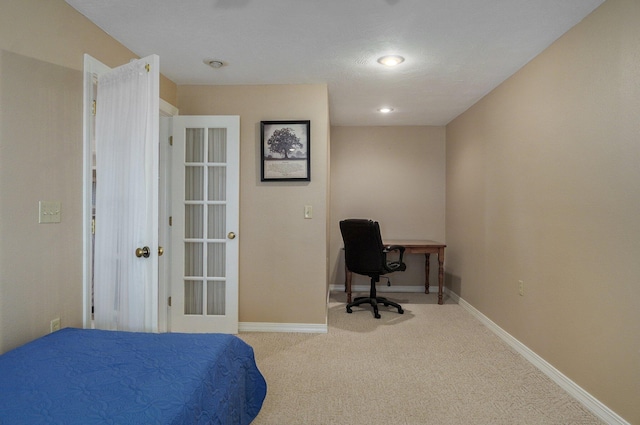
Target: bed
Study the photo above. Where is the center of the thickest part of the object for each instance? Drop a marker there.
(88, 376)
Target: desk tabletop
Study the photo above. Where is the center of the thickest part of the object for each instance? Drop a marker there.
(414, 243)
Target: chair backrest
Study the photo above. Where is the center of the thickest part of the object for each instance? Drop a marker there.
(364, 251)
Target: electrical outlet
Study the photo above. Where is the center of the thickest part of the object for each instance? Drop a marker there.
(55, 324)
(521, 287)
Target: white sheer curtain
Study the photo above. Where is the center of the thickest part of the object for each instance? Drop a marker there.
(124, 289)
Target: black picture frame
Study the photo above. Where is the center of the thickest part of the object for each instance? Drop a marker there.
(285, 150)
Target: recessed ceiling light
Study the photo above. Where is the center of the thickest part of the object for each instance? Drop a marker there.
(391, 60)
(213, 63)
(385, 110)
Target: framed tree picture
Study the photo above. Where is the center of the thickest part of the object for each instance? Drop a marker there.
(285, 150)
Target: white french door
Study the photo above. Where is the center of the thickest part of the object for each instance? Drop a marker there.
(121, 176)
(204, 232)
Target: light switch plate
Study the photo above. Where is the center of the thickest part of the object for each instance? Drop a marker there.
(49, 211)
(308, 211)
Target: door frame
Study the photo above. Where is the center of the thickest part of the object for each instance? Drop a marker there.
(92, 68)
(167, 112)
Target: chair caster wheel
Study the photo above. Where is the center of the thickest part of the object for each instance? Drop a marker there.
(349, 311)
(377, 316)
(401, 311)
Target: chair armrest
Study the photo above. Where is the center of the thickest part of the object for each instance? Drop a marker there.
(399, 248)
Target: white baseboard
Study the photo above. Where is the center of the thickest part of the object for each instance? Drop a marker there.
(309, 328)
(587, 400)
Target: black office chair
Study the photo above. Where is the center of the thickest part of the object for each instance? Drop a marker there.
(366, 255)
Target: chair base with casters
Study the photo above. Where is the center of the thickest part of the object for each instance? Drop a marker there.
(374, 300)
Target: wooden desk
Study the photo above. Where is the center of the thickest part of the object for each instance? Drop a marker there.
(425, 247)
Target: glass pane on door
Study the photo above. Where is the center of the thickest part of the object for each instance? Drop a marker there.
(217, 145)
(215, 297)
(192, 297)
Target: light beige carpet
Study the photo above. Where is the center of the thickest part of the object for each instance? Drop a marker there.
(435, 364)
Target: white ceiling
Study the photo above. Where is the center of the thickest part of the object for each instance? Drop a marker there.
(456, 51)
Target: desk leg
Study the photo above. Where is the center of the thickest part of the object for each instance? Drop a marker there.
(347, 283)
(426, 273)
(440, 274)
(346, 276)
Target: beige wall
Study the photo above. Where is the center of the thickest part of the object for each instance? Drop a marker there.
(41, 57)
(283, 257)
(52, 31)
(396, 176)
(543, 186)
(40, 159)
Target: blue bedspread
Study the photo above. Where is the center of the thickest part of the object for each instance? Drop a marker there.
(81, 376)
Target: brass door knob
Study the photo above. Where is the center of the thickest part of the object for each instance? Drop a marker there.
(231, 235)
(160, 251)
(143, 252)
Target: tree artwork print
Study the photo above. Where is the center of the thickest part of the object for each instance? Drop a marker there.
(285, 150)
